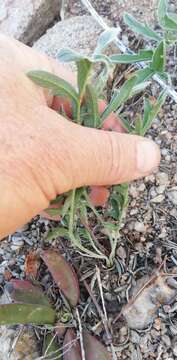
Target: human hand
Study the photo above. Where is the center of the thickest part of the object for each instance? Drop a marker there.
(42, 154)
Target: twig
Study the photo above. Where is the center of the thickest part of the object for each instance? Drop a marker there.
(125, 49)
(105, 318)
(80, 335)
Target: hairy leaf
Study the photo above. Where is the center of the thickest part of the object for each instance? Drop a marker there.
(63, 274)
(139, 28)
(143, 55)
(168, 21)
(120, 97)
(159, 57)
(83, 71)
(151, 111)
(105, 39)
(59, 231)
(138, 125)
(92, 118)
(144, 75)
(68, 55)
(126, 125)
(54, 83)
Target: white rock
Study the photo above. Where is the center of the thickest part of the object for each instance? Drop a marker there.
(133, 191)
(172, 195)
(158, 199)
(160, 189)
(78, 33)
(139, 227)
(26, 20)
(162, 178)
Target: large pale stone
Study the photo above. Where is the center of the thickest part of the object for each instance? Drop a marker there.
(79, 33)
(27, 20)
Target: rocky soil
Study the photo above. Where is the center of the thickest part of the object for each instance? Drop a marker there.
(148, 236)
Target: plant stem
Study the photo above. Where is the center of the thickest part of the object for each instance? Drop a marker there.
(71, 217)
(78, 113)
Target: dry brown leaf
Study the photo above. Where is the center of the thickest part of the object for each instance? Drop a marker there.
(32, 263)
(71, 347)
(63, 274)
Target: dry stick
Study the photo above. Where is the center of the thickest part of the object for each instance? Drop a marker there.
(125, 49)
(80, 335)
(105, 313)
(103, 318)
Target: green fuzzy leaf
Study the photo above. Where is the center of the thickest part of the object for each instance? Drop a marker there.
(170, 38)
(83, 72)
(93, 117)
(143, 55)
(69, 55)
(140, 88)
(66, 205)
(52, 82)
(126, 125)
(143, 75)
(173, 16)
(12, 314)
(138, 125)
(152, 110)
(168, 21)
(119, 97)
(159, 58)
(105, 39)
(140, 28)
(59, 231)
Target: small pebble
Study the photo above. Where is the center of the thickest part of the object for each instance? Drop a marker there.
(172, 195)
(175, 349)
(135, 337)
(158, 199)
(160, 189)
(166, 340)
(139, 227)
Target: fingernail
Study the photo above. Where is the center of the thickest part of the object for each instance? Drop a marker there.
(148, 156)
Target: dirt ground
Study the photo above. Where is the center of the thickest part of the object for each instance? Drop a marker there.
(148, 242)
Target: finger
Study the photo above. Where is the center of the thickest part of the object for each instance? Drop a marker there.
(85, 156)
(28, 59)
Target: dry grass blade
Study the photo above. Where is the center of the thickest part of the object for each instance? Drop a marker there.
(80, 335)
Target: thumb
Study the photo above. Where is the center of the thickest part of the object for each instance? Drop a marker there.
(85, 156)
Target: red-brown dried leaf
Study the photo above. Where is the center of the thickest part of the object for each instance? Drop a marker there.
(63, 274)
(22, 291)
(32, 263)
(71, 346)
(99, 195)
(94, 349)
